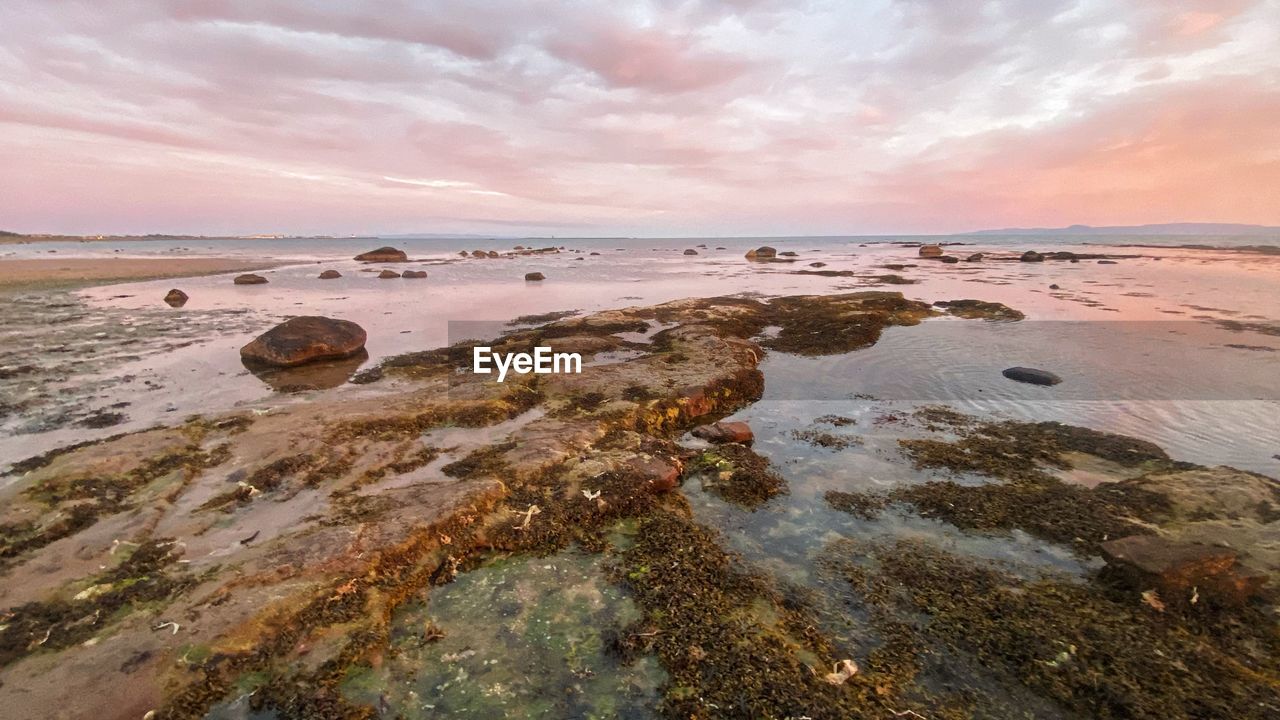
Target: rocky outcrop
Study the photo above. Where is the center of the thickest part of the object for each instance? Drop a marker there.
(176, 298)
(1033, 376)
(250, 279)
(388, 275)
(690, 251)
(930, 251)
(305, 339)
(1182, 574)
(764, 252)
(383, 254)
(1031, 256)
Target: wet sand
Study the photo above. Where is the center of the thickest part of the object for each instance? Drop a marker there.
(45, 273)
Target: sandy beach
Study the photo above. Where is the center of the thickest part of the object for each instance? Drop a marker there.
(43, 273)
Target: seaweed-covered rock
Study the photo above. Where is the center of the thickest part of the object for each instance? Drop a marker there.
(1183, 573)
(980, 310)
(930, 251)
(725, 432)
(330, 275)
(176, 298)
(383, 254)
(250, 279)
(305, 339)
(1034, 376)
(764, 252)
(658, 474)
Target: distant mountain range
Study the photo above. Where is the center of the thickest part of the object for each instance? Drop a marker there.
(1236, 229)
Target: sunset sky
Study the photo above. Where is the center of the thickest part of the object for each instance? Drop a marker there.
(701, 117)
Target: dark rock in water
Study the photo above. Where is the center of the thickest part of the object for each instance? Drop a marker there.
(930, 251)
(1032, 375)
(1031, 256)
(788, 253)
(690, 251)
(980, 310)
(305, 339)
(725, 432)
(250, 279)
(463, 253)
(720, 247)
(1107, 262)
(1075, 260)
(534, 276)
(976, 257)
(1054, 287)
(388, 274)
(1182, 573)
(318, 375)
(493, 253)
(817, 264)
(949, 259)
(762, 252)
(478, 253)
(518, 247)
(383, 254)
(414, 274)
(176, 298)
(330, 275)
(593, 253)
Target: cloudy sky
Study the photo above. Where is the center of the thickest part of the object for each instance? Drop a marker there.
(658, 117)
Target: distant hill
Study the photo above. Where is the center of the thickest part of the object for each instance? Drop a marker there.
(1236, 229)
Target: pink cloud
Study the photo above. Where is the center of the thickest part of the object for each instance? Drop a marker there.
(646, 58)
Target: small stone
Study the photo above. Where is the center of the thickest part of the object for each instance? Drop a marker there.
(690, 251)
(250, 279)
(949, 259)
(534, 277)
(976, 257)
(388, 274)
(414, 274)
(176, 298)
(1033, 376)
(1054, 287)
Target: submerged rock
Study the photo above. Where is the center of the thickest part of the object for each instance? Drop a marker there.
(305, 339)
(725, 432)
(176, 298)
(330, 275)
(534, 277)
(388, 274)
(690, 251)
(1033, 376)
(1031, 256)
(250, 279)
(414, 274)
(383, 254)
(930, 251)
(949, 259)
(976, 257)
(1183, 573)
(764, 252)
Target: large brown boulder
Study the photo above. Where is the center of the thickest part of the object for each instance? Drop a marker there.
(250, 279)
(305, 339)
(383, 254)
(1183, 573)
(388, 274)
(176, 298)
(1031, 256)
(534, 277)
(725, 432)
(930, 251)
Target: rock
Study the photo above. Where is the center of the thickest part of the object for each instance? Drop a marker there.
(388, 274)
(478, 253)
(817, 264)
(725, 432)
(493, 253)
(1032, 375)
(949, 259)
(414, 274)
(534, 277)
(690, 251)
(383, 254)
(1031, 256)
(1106, 262)
(518, 247)
(788, 253)
(659, 474)
(1183, 573)
(762, 252)
(462, 253)
(930, 251)
(1054, 287)
(176, 298)
(330, 275)
(305, 339)
(976, 257)
(250, 279)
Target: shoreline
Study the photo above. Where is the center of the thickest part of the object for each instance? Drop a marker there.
(51, 273)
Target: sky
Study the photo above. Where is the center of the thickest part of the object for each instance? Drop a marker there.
(657, 117)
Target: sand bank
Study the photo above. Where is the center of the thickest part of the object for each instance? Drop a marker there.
(63, 272)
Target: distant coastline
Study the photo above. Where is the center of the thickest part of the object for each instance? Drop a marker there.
(1211, 229)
